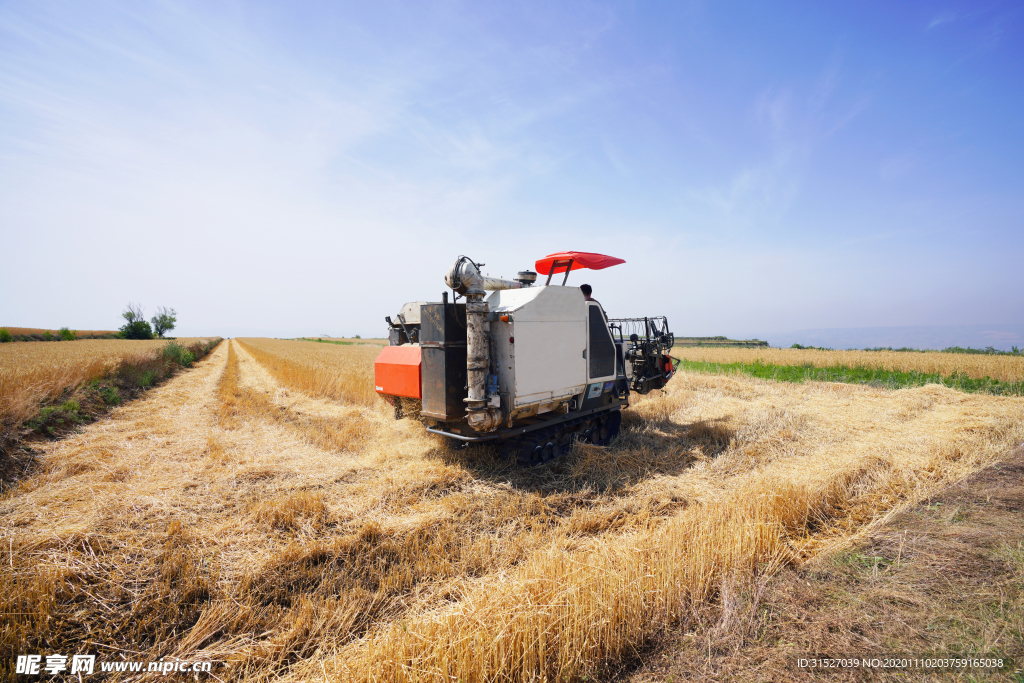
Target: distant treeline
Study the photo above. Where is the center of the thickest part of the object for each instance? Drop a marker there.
(13, 334)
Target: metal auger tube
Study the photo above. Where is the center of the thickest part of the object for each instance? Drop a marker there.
(479, 416)
(465, 278)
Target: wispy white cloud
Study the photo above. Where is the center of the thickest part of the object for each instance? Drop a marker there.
(941, 18)
(792, 126)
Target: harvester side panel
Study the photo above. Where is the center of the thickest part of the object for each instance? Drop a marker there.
(549, 360)
(443, 349)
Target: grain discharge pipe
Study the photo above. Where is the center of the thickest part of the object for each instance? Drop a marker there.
(465, 278)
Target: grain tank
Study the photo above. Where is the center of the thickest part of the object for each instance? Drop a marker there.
(533, 366)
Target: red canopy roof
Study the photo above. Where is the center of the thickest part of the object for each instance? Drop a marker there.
(580, 259)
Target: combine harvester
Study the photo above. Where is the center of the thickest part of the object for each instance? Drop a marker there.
(535, 367)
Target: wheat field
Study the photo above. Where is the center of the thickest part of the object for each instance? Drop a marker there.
(344, 373)
(1002, 368)
(264, 511)
(34, 372)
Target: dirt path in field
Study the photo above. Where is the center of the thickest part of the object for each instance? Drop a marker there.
(226, 517)
(142, 457)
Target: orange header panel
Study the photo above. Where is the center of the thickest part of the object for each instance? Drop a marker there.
(397, 371)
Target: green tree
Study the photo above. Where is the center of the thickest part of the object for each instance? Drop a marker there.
(5, 336)
(67, 335)
(135, 326)
(164, 320)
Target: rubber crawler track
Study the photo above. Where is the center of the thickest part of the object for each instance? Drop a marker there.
(545, 445)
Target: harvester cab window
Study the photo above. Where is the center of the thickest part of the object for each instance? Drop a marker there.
(602, 350)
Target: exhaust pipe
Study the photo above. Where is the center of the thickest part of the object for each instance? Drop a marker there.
(465, 278)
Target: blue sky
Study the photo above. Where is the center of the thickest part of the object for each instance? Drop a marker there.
(306, 168)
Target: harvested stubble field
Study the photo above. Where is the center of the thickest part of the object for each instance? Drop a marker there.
(264, 511)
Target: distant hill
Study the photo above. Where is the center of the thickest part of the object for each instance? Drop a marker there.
(718, 341)
(1001, 337)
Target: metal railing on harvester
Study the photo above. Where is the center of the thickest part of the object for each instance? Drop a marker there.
(646, 343)
(651, 332)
